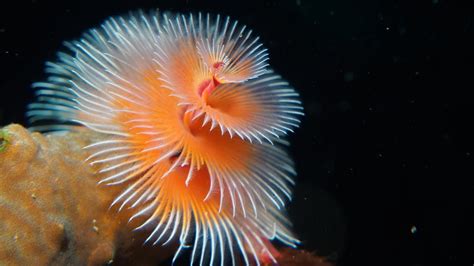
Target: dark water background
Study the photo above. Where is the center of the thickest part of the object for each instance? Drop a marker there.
(385, 152)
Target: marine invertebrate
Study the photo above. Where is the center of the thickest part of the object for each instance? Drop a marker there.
(193, 121)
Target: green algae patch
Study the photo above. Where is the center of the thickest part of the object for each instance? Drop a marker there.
(3, 140)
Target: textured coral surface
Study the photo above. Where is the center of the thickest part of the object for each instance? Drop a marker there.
(52, 212)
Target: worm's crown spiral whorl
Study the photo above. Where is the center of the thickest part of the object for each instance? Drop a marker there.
(193, 121)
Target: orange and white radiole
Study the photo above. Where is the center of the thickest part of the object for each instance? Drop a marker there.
(193, 119)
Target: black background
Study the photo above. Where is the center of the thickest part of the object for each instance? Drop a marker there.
(385, 151)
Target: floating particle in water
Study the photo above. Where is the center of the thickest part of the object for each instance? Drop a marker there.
(402, 31)
(344, 106)
(348, 76)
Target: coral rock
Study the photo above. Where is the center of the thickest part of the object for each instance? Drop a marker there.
(52, 212)
(293, 257)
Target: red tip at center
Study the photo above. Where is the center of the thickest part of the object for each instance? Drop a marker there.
(217, 66)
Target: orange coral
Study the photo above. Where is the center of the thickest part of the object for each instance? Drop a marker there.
(53, 212)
